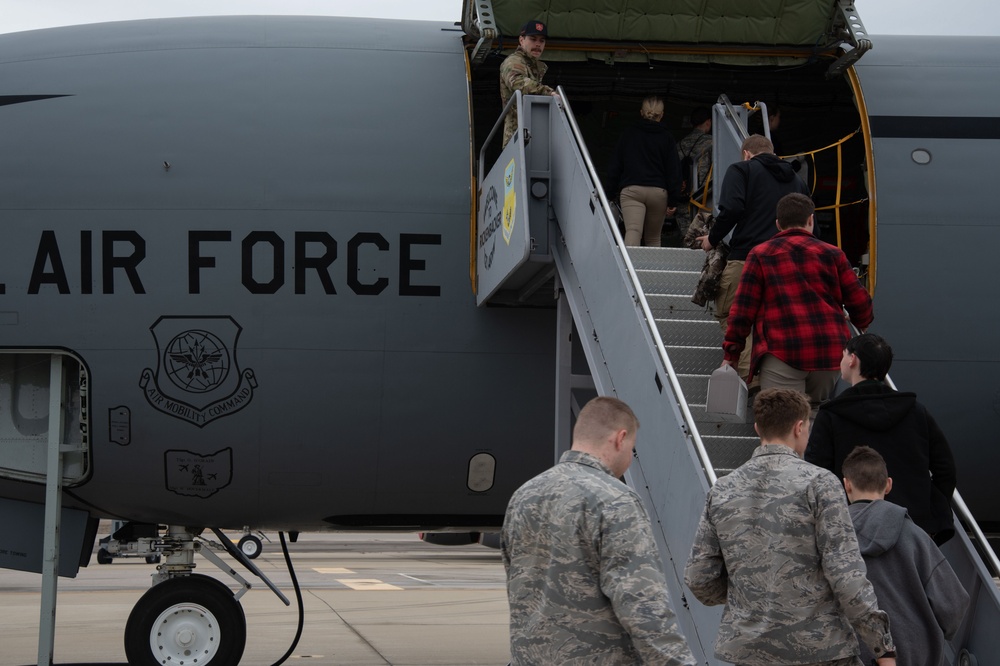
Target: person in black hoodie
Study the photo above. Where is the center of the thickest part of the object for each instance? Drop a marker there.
(748, 203)
(645, 175)
(913, 581)
(894, 424)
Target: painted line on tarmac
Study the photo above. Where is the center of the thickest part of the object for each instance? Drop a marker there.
(332, 570)
(360, 584)
(366, 584)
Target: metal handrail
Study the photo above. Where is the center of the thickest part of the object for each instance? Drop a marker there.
(630, 269)
(513, 101)
(731, 112)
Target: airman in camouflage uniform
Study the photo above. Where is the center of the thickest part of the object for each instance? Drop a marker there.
(522, 70)
(777, 546)
(715, 260)
(584, 578)
(698, 146)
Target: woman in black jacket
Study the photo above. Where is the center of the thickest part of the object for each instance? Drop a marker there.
(644, 174)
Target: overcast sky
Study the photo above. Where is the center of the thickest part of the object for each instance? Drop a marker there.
(881, 17)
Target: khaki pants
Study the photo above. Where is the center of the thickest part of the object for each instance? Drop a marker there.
(817, 384)
(643, 208)
(728, 282)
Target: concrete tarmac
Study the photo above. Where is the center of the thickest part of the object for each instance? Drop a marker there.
(370, 599)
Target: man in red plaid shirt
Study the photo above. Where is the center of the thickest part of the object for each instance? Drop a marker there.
(792, 294)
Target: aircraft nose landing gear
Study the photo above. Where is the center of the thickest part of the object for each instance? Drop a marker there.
(187, 620)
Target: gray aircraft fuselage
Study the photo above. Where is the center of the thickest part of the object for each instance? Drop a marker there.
(254, 235)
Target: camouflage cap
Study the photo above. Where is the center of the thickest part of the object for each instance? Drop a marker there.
(534, 28)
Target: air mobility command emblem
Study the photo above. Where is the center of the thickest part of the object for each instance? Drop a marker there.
(197, 378)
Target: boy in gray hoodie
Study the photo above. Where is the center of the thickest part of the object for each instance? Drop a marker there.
(913, 581)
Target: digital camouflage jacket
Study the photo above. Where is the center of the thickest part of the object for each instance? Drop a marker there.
(776, 545)
(519, 71)
(584, 578)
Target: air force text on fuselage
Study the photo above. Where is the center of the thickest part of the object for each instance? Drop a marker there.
(269, 262)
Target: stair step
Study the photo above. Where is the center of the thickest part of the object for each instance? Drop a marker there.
(726, 428)
(679, 307)
(729, 452)
(704, 419)
(690, 333)
(695, 388)
(675, 283)
(694, 360)
(672, 258)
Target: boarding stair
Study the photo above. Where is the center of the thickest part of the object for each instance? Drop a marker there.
(693, 341)
(543, 220)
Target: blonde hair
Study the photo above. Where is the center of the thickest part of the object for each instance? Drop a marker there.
(652, 108)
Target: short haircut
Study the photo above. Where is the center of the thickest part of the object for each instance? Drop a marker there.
(757, 144)
(865, 469)
(874, 355)
(794, 210)
(700, 115)
(601, 417)
(777, 411)
(652, 108)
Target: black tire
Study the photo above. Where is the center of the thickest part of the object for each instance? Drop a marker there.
(103, 556)
(153, 559)
(251, 546)
(183, 619)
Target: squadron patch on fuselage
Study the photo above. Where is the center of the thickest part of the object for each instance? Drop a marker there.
(509, 201)
(197, 378)
(195, 474)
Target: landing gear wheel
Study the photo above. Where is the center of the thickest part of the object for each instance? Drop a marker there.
(103, 556)
(153, 559)
(251, 546)
(185, 621)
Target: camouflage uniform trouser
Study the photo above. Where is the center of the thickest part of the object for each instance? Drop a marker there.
(685, 213)
(849, 661)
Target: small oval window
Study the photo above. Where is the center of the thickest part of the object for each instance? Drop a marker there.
(921, 156)
(482, 470)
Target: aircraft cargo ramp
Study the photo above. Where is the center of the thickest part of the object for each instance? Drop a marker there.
(542, 207)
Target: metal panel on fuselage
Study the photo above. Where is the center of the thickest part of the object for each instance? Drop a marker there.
(307, 245)
(937, 237)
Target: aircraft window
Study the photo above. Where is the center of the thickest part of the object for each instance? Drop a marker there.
(482, 472)
(921, 156)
